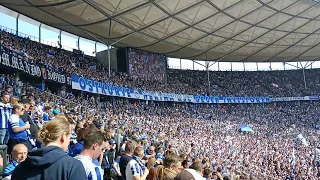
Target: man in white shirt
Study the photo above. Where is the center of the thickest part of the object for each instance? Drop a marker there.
(93, 146)
(136, 170)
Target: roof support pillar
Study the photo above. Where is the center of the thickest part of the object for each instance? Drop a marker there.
(192, 65)
(208, 76)
(59, 41)
(78, 43)
(17, 25)
(95, 48)
(207, 63)
(304, 76)
(109, 46)
(40, 32)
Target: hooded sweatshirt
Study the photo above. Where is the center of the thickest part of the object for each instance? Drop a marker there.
(49, 163)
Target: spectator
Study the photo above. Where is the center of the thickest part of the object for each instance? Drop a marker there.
(26, 118)
(73, 124)
(109, 165)
(151, 152)
(126, 158)
(18, 129)
(136, 170)
(207, 173)
(5, 113)
(18, 155)
(46, 116)
(76, 149)
(92, 149)
(51, 161)
(189, 174)
(151, 165)
(185, 164)
(170, 169)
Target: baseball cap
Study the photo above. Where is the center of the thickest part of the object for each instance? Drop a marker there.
(56, 111)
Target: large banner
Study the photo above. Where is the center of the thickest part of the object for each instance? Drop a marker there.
(305, 98)
(19, 61)
(88, 85)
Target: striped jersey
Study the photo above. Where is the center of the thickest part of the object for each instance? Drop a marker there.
(5, 113)
(93, 172)
(133, 169)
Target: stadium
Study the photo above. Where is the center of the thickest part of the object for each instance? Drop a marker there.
(159, 89)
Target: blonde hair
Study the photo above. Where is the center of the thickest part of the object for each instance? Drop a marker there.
(14, 100)
(54, 129)
(166, 172)
(138, 151)
(151, 162)
(163, 173)
(17, 106)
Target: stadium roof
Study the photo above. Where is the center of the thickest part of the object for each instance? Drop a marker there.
(221, 30)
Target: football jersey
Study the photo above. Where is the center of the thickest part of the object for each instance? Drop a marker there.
(93, 172)
(133, 169)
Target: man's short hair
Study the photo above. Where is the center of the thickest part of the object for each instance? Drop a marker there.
(138, 151)
(197, 166)
(3, 93)
(47, 108)
(184, 163)
(207, 172)
(93, 138)
(130, 147)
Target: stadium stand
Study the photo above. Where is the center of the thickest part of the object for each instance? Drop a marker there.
(80, 135)
(288, 83)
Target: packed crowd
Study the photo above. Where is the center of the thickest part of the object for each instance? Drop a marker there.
(142, 64)
(146, 65)
(155, 140)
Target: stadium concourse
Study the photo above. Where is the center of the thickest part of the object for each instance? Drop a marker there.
(63, 116)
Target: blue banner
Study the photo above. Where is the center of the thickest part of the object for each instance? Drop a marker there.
(88, 85)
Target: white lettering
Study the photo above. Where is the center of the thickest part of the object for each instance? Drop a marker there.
(56, 77)
(5, 59)
(27, 67)
(15, 62)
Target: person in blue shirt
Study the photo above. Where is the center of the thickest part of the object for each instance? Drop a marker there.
(19, 154)
(46, 116)
(160, 154)
(18, 129)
